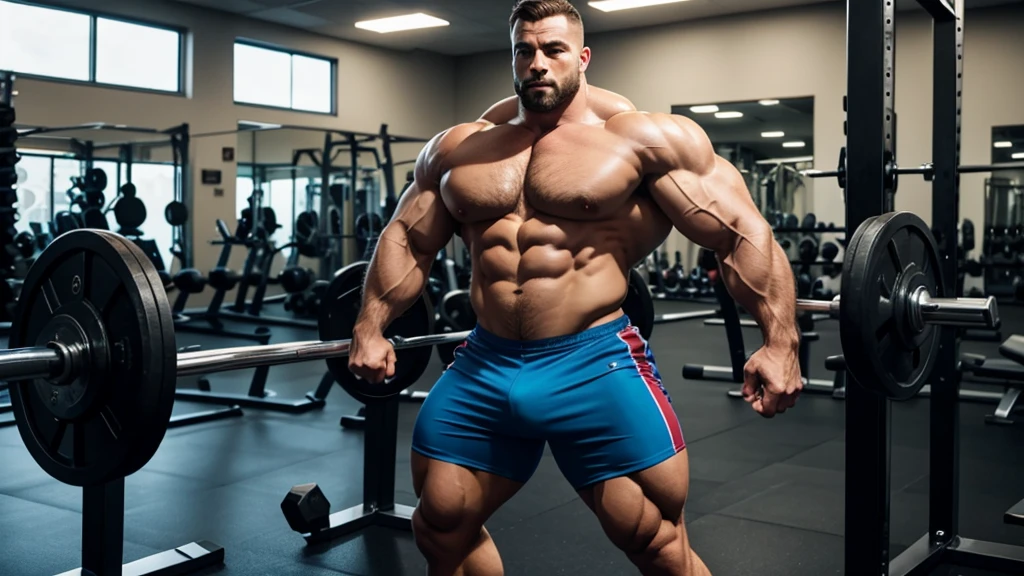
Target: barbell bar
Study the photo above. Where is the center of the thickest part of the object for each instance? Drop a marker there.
(57, 361)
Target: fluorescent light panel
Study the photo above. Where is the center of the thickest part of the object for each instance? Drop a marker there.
(725, 115)
(614, 5)
(768, 102)
(706, 109)
(1003, 144)
(400, 23)
(772, 134)
(793, 144)
(1018, 156)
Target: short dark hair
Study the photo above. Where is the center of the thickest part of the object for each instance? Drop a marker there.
(537, 10)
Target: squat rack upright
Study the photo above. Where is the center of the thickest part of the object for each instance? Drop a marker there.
(871, 185)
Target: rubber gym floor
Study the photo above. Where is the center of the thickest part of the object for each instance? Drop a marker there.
(766, 496)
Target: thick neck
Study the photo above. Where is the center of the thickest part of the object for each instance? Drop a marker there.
(574, 110)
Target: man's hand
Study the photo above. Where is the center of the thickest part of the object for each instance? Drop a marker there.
(772, 380)
(371, 357)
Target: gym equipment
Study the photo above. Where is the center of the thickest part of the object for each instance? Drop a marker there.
(871, 188)
(306, 508)
(67, 285)
(98, 413)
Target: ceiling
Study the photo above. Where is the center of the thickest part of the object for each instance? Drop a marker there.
(794, 116)
(479, 25)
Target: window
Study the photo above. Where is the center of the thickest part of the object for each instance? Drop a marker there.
(82, 47)
(139, 56)
(282, 79)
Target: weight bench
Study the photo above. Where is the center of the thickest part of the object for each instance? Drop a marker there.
(1009, 371)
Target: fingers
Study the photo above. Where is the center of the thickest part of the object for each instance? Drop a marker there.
(391, 360)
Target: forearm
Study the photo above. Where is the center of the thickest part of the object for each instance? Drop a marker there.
(395, 278)
(757, 274)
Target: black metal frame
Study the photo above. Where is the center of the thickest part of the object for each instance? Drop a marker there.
(378, 507)
(870, 190)
(103, 541)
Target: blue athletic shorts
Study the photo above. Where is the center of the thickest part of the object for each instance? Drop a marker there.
(596, 397)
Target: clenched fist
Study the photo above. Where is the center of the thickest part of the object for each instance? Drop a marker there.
(371, 356)
(772, 380)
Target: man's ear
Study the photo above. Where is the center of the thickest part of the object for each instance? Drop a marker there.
(584, 59)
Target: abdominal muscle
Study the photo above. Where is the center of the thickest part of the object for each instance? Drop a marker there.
(542, 276)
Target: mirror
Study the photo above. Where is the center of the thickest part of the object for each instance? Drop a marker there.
(1003, 238)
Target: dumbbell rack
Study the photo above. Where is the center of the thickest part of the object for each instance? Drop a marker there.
(8, 195)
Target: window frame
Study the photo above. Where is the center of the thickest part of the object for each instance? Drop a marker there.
(93, 16)
(291, 79)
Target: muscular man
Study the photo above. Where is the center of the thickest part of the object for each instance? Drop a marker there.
(556, 205)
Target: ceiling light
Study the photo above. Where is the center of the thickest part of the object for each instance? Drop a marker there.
(704, 109)
(613, 5)
(1003, 144)
(399, 23)
(725, 115)
(1018, 156)
(772, 134)
(768, 102)
(793, 144)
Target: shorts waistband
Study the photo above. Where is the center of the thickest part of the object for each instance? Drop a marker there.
(590, 334)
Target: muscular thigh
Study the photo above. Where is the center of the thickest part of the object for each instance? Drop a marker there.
(455, 497)
(631, 508)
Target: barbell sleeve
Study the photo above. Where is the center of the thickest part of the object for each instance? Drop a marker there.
(963, 312)
(226, 359)
(30, 363)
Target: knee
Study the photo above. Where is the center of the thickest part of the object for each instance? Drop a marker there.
(639, 530)
(443, 524)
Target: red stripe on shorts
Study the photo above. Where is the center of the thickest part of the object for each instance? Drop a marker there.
(638, 351)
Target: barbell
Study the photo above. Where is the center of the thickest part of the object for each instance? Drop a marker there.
(92, 359)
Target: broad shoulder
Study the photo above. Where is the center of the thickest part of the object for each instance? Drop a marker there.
(665, 138)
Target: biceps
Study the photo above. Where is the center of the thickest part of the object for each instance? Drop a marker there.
(421, 221)
(714, 209)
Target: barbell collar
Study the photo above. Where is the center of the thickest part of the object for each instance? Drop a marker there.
(30, 363)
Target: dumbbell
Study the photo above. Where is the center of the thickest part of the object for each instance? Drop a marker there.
(804, 284)
(967, 235)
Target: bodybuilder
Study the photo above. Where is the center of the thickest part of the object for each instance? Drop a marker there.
(555, 205)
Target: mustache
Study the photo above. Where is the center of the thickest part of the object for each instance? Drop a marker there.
(532, 83)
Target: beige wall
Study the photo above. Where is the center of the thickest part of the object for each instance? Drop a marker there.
(799, 52)
(374, 86)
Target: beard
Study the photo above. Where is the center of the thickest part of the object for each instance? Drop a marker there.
(546, 100)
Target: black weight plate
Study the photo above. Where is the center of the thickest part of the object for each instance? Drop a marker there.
(162, 346)
(456, 315)
(121, 407)
(874, 326)
(95, 180)
(130, 212)
(338, 312)
(176, 213)
(639, 305)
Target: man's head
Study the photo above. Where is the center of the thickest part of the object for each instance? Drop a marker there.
(548, 56)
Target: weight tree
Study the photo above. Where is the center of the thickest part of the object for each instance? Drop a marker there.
(871, 183)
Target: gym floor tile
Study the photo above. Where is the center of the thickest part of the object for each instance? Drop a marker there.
(794, 504)
(374, 551)
(565, 540)
(227, 516)
(39, 539)
(755, 487)
(140, 489)
(19, 471)
(738, 547)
